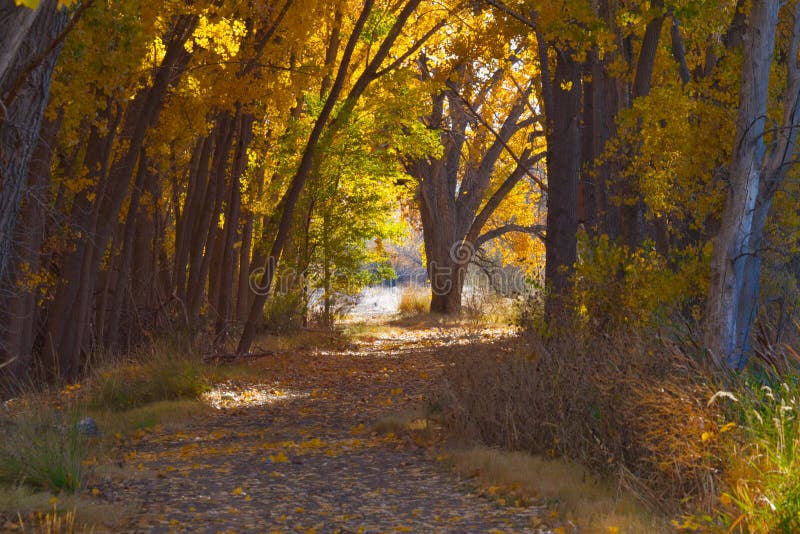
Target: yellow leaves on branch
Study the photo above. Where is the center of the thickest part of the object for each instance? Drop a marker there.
(33, 4)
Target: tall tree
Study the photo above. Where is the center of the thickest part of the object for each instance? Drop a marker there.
(27, 59)
(759, 163)
(27, 65)
(482, 114)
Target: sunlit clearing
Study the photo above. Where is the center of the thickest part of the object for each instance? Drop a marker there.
(230, 395)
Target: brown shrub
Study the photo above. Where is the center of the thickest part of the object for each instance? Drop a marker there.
(629, 406)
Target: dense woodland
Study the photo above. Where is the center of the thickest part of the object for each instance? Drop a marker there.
(207, 166)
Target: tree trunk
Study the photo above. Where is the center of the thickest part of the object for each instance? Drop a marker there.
(18, 307)
(728, 317)
(563, 166)
(125, 261)
(15, 21)
(21, 122)
(185, 220)
(228, 268)
(442, 240)
(206, 240)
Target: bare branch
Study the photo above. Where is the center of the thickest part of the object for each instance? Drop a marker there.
(537, 230)
(513, 14)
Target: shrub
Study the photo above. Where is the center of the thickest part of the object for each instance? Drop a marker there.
(619, 288)
(283, 312)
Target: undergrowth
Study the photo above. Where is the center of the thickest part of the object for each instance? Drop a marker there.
(714, 450)
(43, 450)
(762, 472)
(625, 407)
(153, 374)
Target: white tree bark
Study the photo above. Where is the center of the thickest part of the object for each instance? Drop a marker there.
(756, 171)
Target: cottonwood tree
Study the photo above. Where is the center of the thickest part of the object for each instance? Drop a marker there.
(484, 107)
(761, 157)
(30, 42)
(26, 65)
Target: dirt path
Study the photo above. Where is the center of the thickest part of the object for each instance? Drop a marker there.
(297, 453)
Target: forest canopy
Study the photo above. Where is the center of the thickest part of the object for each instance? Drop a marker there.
(170, 166)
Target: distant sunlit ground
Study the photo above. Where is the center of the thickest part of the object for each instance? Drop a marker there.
(229, 395)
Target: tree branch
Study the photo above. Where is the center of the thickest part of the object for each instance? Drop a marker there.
(505, 188)
(416, 46)
(519, 161)
(259, 48)
(513, 14)
(537, 230)
(679, 51)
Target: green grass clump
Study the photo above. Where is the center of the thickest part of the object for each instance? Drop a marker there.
(123, 386)
(43, 452)
(763, 462)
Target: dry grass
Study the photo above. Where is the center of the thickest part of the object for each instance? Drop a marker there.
(44, 452)
(595, 506)
(624, 408)
(485, 306)
(40, 512)
(414, 301)
(300, 339)
(401, 423)
(164, 413)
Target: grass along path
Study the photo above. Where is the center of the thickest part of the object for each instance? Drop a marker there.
(300, 451)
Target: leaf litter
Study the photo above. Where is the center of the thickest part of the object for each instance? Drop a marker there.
(296, 452)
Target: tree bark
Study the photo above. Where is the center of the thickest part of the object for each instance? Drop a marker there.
(18, 306)
(563, 167)
(228, 268)
(21, 121)
(732, 291)
(15, 21)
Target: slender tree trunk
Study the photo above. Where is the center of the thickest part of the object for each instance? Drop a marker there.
(18, 305)
(228, 269)
(197, 217)
(563, 167)
(209, 228)
(125, 261)
(185, 221)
